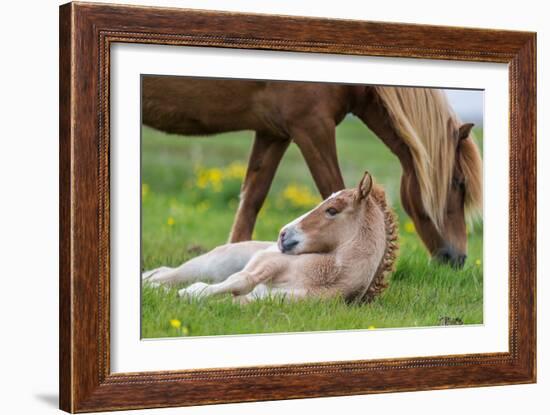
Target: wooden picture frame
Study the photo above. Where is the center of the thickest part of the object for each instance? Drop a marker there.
(86, 33)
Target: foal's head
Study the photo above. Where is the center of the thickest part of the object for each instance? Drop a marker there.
(330, 224)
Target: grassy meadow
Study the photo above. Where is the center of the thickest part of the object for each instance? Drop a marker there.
(190, 189)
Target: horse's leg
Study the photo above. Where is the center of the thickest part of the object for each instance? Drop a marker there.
(317, 142)
(214, 266)
(265, 157)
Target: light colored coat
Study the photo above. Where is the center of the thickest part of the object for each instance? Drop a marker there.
(346, 246)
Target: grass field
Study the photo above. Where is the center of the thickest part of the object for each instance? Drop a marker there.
(190, 188)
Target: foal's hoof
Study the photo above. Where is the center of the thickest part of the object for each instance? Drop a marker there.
(152, 284)
(196, 290)
(241, 299)
(145, 276)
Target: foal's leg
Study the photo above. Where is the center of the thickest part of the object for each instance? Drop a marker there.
(214, 266)
(263, 267)
(262, 291)
(148, 274)
(265, 157)
(316, 139)
(240, 283)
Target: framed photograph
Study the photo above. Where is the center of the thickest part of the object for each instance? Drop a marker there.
(260, 207)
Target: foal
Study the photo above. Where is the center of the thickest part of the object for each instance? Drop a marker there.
(346, 247)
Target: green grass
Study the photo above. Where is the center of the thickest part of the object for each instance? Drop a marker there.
(180, 220)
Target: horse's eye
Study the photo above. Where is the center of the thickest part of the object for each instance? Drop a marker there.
(331, 211)
(459, 184)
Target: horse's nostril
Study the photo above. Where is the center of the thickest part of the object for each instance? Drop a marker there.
(451, 257)
(444, 256)
(282, 235)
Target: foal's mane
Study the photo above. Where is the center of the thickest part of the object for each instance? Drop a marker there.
(387, 264)
(421, 116)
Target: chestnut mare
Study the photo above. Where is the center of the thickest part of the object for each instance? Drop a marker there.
(441, 180)
(344, 247)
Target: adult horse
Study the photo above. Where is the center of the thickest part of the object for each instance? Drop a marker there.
(441, 166)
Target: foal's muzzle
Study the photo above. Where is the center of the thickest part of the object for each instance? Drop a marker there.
(287, 241)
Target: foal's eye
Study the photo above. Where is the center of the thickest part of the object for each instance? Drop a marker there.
(331, 211)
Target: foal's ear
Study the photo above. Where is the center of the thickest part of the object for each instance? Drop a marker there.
(365, 186)
(464, 130)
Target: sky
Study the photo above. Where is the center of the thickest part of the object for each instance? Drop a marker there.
(468, 104)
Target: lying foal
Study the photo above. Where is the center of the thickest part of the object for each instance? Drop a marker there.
(346, 246)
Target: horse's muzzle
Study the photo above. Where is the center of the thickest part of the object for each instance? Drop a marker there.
(450, 256)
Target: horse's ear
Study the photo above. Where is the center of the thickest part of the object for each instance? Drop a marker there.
(464, 130)
(365, 186)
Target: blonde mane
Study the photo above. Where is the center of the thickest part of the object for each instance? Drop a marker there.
(422, 117)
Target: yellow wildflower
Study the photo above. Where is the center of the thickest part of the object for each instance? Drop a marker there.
(478, 262)
(371, 328)
(175, 323)
(235, 170)
(144, 190)
(202, 181)
(409, 227)
(185, 331)
(300, 196)
(209, 178)
(216, 177)
(170, 221)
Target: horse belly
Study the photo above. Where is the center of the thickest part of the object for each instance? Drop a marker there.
(187, 106)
